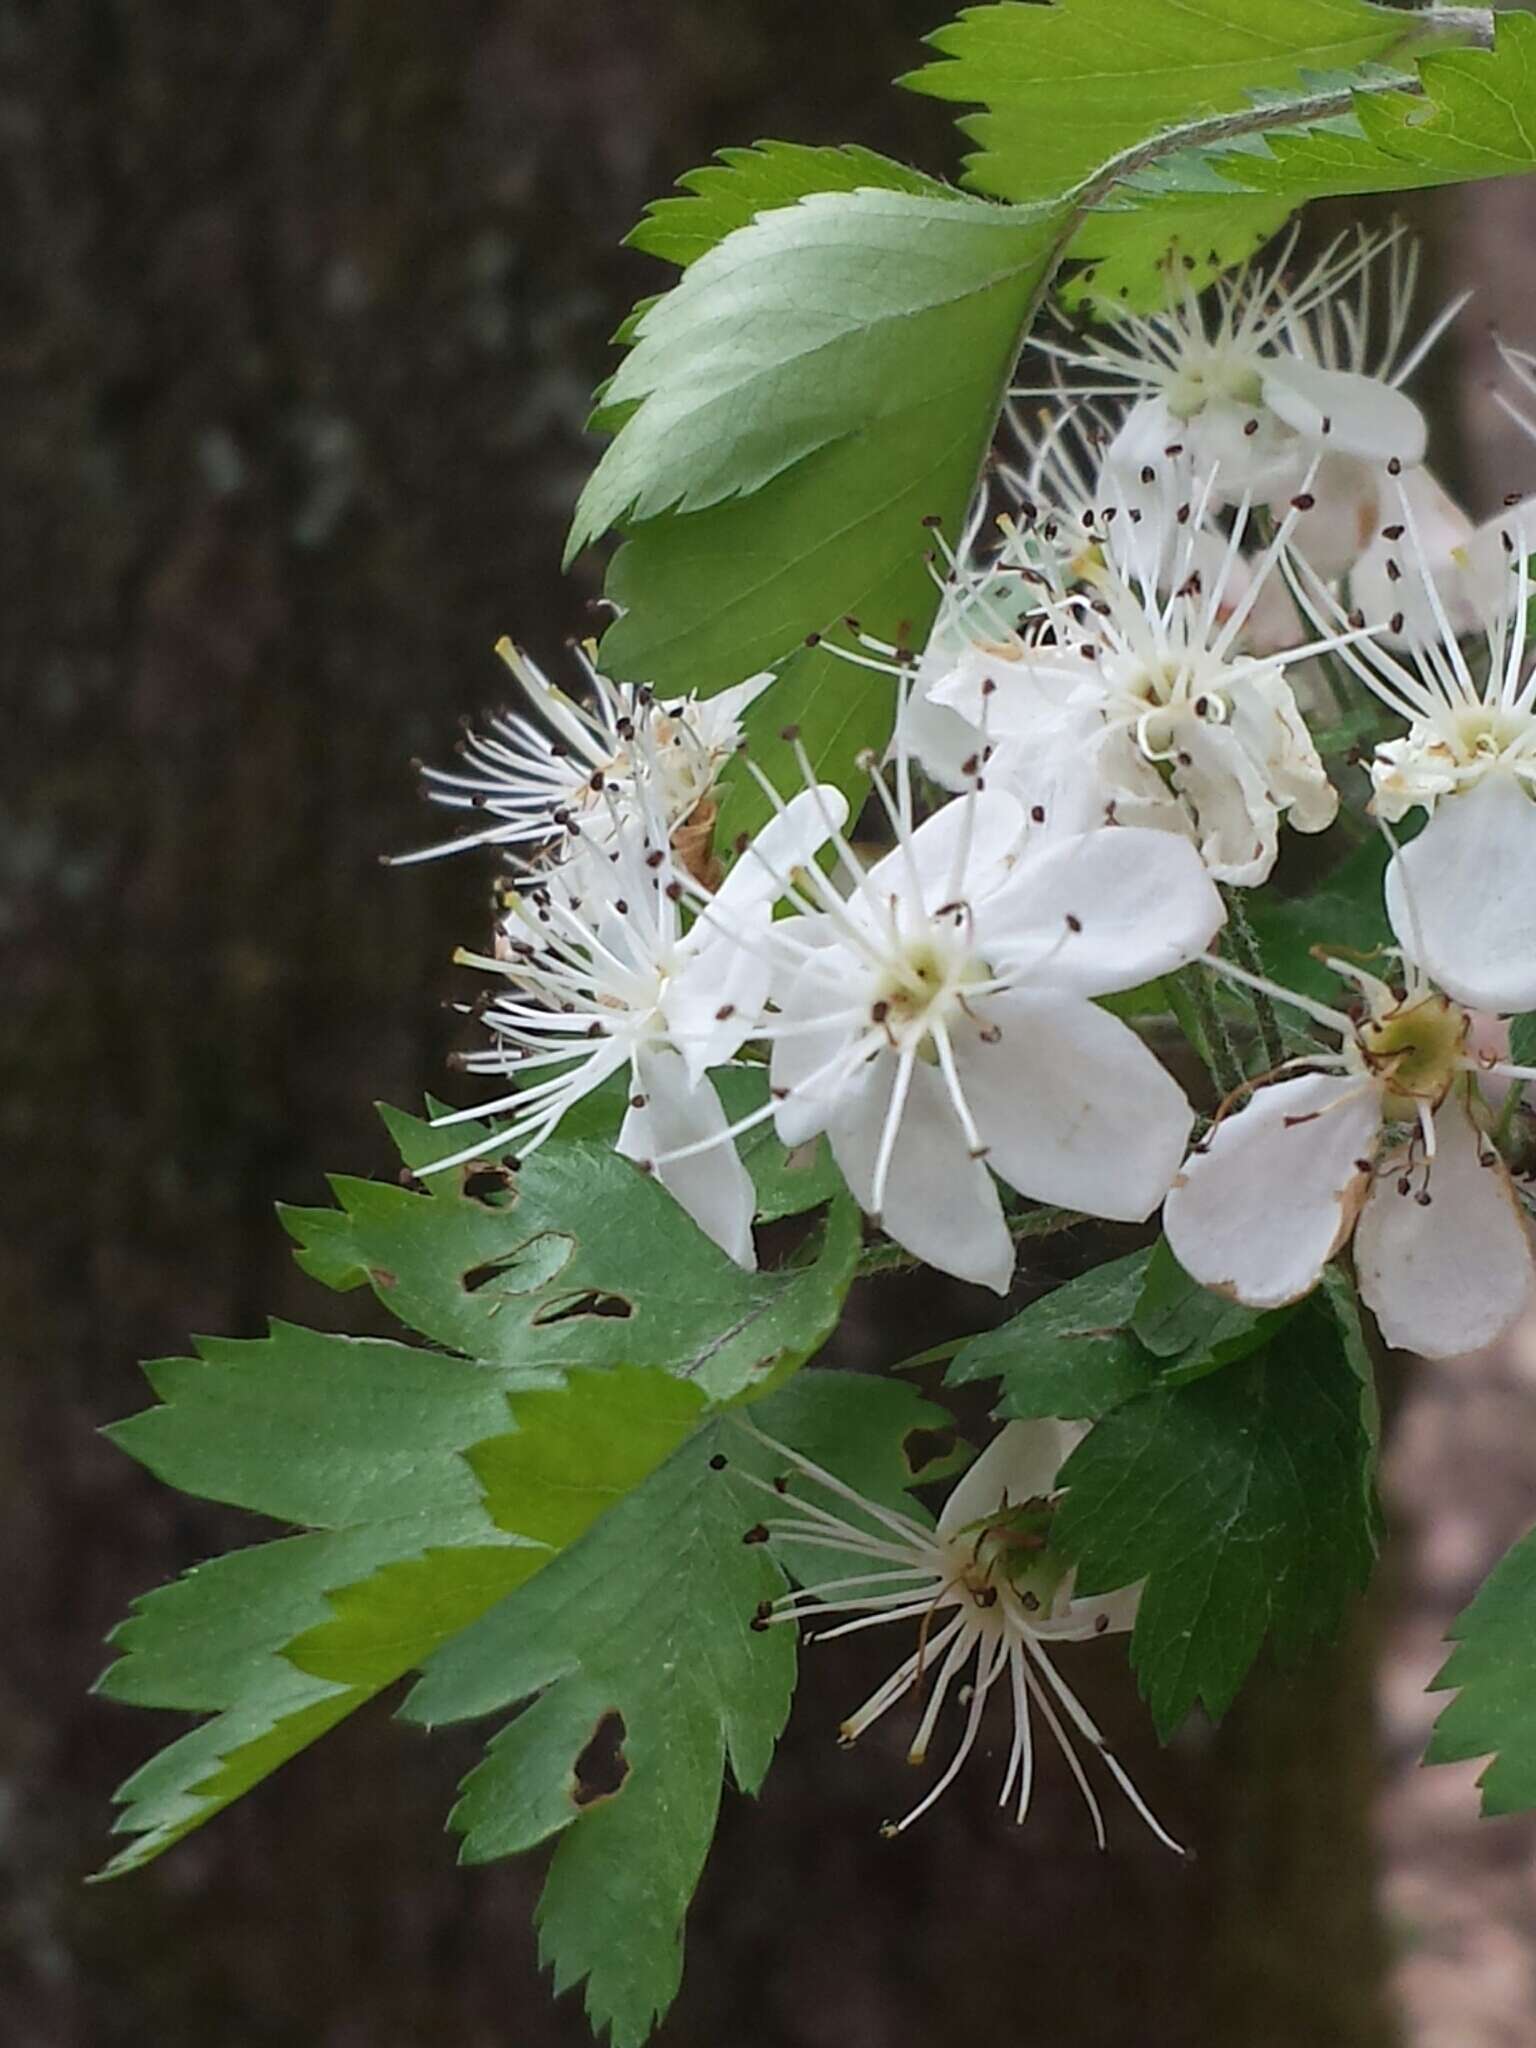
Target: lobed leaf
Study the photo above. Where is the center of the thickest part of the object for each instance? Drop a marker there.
(646, 1675)
(1239, 1500)
(1068, 87)
(579, 1259)
(1493, 1668)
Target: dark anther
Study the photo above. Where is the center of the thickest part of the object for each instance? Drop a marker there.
(757, 1535)
(718, 1462)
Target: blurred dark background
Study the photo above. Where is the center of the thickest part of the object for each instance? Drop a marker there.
(300, 308)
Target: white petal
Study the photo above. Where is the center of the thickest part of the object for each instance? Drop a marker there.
(1461, 897)
(1494, 554)
(1101, 912)
(1250, 448)
(1271, 730)
(726, 964)
(1236, 818)
(1072, 1105)
(791, 839)
(1339, 527)
(1446, 541)
(1453, 1276)
(806, 1069)
(717, 718)
(940, 739)
(983, 830)
(940, 1203)
(714, 1187)
(1347, 412)
(1259, 1213)
(715, 998)
(1020, 1464)
(1103, 1615)
(1014, 688)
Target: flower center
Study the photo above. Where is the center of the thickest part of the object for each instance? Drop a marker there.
(1012, 1549)
(1416, 1047)
(925, 983)
(1206, 375)
(1484, 733)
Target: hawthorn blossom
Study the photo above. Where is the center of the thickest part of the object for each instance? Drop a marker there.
(937, 1022)
(606, 978)
(986, 1593)
(1268, 380)
(565, 765)
(1388, 1139)
(1468, 759)
(1131, 702)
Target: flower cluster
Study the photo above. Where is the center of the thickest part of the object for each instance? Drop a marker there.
(1208, 582)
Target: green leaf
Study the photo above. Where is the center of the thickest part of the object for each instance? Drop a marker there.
(1344, 915)
(1072, 1353)
(743, 183)
(1494, 1667)
(1191, 1329)
(638, 1641)
(789, 1181)
(815, 387)
(804, 327)
(1474, 119)
(362, 1441)
(1522, 1040)
(1238, 1499)
(580, 1259)
(1127, 248)
(1338, 1295)
(1071, 86)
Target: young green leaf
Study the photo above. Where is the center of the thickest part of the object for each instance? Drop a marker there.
(581, 1260)
(1494, 1668)
(1071, 86)
(1238, 1499)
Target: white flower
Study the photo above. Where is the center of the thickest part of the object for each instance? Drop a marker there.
(1135, 705)
(1386, 1138)
(939, 1023)
(1265, 376)
(605, 977)
(1460, 894)
(986, 1595)
(552, 772)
